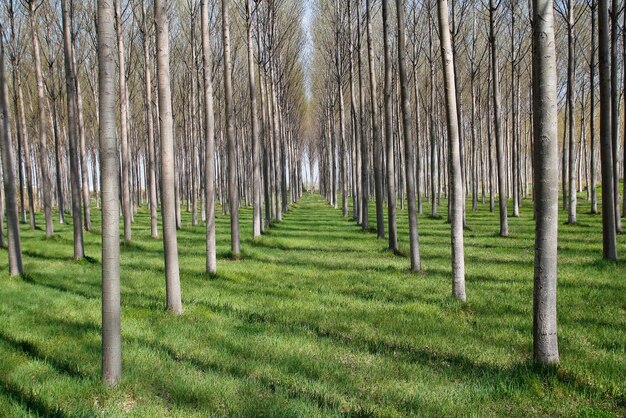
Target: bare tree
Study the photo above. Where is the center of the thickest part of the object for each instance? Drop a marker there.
(609, 240)
(546, 182)
(13, 224)
(209, 139)
(233, 194)
(456, 178)
(168, 171)
(111, 319)
(43, 147)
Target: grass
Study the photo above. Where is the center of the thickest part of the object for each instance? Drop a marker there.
(316, 318)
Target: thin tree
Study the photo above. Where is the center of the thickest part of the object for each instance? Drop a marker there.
(168, 171)
(111, 319)
(375, 121)
(126, 204)
(209, 138)
(13, 224)
(233, 191)
(609, 239)
(70, 87)
(409, 151)
(389, 139)
(456, 178)
(45, 184)
(256, 146)
(495, 80)
(546, 180)
(154, 231)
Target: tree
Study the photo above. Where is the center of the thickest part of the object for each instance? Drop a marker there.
(168, 172)
(546, 183)
(233, 193)
(256, 147)
(495, 80)
(409, 152)
(43, 147)
(13, 225)
(388, 90)
(609, 240)
(456, 178)
(378, 154)
(111, 320)
(209, 139)
(70, 83)
(126, 204)
(154, 232)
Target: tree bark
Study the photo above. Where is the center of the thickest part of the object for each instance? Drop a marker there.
(209, 138)
(378, 170)
(233, 195)
(168, 171)
(546, 184)
(456, 177)
(44, 184)
(70, 87)
(388, 92)
(609, 239)
(111, 319)
(13, 223)
(495, 75)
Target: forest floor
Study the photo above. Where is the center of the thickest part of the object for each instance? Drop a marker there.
(317, 318)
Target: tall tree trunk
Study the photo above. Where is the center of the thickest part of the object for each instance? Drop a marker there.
(495, 75)
(111, 319)
(209, 140)
(609, 243)
(592, 118)
(614, 14)
(254, 117)
(44, 184)
(571, 68)
(456, 178)
(126, 204)
(13, 223)
(365, 182)
(409, 152)
(388, 106)
(168, 171)
(546, 182)
(70, 87)
(375, 120)
(154, 231)
(233, 196)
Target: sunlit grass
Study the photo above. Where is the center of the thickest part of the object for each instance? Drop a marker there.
(317, 318)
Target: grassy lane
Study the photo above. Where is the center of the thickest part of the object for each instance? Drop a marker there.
(317, 318)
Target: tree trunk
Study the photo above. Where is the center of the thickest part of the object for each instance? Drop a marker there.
(456, 178)
(13, 223)
(111, 319)
(70, 87)
(209, 138)
(168, 171)
(546, 182)
(44, 184)
(571, 68)
(256, 146)
(233, 197)
(388, 92)
(409, 152)
(495, 74)
(609, 243)
(126, 204)
(378, 170)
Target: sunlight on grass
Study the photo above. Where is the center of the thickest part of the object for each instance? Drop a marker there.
(317, 318)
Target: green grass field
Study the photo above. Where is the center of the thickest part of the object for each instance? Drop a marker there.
(317, 318)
